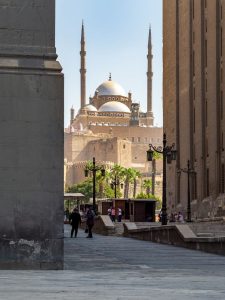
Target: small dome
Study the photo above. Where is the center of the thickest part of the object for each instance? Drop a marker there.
(114, 106)
(90, 107)
(110, 88)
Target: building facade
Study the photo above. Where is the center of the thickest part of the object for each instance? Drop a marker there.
(111, 127)
(193, 96)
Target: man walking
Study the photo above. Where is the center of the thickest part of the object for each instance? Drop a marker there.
(90, 221)
(75, 220)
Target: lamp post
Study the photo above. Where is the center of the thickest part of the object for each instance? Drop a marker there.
(169, 154)
(94, 168)
(188, 171)
(114, 185)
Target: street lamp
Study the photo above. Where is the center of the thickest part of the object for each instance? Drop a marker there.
(115, 183)
(93, 168)
(169, 154)
(189, 171)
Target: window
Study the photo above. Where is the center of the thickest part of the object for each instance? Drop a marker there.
(221, 42)
(194, 119)
(222, 179)
(193, 62)
(194, 186)
(207, 182)
(206, 113)
(139, 139)
(193, 9)
(222, 142)
(206, 85)
(132, 139)
(124, 146)
(221, 105)
(194, 152)
(206, 53)
(206, 147)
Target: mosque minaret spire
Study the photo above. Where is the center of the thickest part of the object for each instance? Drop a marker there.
(82, 69)
(149, 77)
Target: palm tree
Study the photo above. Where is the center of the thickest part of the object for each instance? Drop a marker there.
(147, 185)
(117, 177)
(137, 174)
(129, 174)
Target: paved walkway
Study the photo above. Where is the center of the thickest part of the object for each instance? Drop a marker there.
(119, 268)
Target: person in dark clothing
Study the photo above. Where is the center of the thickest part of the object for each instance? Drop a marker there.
(90, 222)
(75, 220)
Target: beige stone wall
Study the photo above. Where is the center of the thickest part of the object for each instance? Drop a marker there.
(170, 86)
(192, 85)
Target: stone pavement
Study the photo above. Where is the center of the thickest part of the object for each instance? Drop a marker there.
(116, 268)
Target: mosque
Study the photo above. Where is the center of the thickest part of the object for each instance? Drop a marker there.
(111, 127)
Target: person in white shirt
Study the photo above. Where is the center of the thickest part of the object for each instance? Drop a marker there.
(119, 214)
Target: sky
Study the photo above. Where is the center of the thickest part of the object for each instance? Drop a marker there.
(116, 34)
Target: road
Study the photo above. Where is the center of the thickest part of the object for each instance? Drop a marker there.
(118, 268)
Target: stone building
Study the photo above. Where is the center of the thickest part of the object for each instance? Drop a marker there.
(193, 95)
(111, 127)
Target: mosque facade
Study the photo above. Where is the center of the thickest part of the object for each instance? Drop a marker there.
(111, 127)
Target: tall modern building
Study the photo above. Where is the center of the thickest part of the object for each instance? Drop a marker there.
(193, 95)
(111, 125)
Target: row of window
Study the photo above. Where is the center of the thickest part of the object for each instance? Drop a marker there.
(207, 187)
(121, 99)
(107, 124)
(222, 181)
(145, 140)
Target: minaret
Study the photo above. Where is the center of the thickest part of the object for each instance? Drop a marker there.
(149, 80)
(71, 115)
(82, 69)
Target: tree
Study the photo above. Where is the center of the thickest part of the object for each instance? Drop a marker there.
(129, 175)
(156, 156)
(84, 187)
(147, 185)
(137, 175)
(116, 175)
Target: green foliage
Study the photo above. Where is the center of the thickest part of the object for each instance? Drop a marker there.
(85, 187)
(157, 155)
(147, 185)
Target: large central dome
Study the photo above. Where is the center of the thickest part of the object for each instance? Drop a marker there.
(110, 88)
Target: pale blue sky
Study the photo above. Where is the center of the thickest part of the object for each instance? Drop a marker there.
(116, 41)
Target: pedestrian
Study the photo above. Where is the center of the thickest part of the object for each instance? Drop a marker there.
(119, 214)
(75, 220)
(90, 221)
(113, 214)
(180, 217)
(109, 211)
